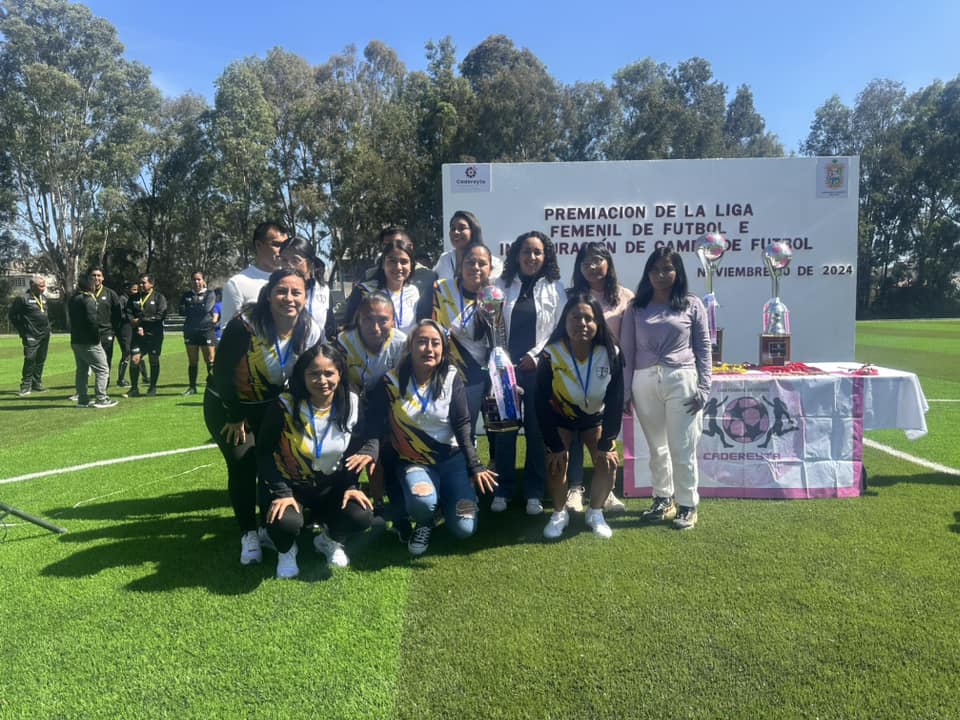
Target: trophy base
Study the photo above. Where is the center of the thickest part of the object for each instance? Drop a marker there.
(717, 348)
(492, 421)
(774, 349)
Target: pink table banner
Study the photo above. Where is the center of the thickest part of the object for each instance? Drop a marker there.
(787, 436)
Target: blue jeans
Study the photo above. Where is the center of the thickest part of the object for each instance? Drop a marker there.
(535, 466)
(447, 485)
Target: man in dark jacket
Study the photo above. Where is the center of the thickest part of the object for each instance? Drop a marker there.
(109, 311)
(85, 341)
(28, 314)
(147, 318)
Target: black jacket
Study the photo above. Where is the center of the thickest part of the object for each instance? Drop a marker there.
(109, 311)
(82, 310)
(29, 316)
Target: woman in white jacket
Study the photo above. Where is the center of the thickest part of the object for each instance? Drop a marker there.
(534, 299)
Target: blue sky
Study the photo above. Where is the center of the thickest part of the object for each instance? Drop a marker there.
(792, 55)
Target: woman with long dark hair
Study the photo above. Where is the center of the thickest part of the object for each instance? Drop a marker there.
(455, 307)
(394, 277)
(310, 453)
(580, 395)
(464, 230)
(425, 405)
(665, 340)
(534, 297)
(299, 254)
(594, 273)
(256, 356)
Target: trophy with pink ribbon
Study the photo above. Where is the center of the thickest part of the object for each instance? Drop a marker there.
(501, 406)
(775, 338)
(710, 250)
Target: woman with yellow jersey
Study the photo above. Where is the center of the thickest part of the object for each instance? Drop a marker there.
(309, 454)
(257, 353)
(455, 308)
(429, 427)
(580, 390)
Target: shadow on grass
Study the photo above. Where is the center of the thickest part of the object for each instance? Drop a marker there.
(881, 481)
(177, 535)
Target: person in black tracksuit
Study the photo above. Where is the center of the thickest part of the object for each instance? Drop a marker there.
(109, 312)
(199, 328)
(28, 314)
(147, 319)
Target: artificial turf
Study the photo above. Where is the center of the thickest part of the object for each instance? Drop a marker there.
(772, 609)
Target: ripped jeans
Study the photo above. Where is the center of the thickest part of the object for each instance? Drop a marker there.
(447, 485)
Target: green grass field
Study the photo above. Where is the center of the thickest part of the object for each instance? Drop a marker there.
(796, 609)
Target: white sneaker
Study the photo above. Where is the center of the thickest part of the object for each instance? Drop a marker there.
(265, 540)
(419, 540)
(287, 563)
(596, 523)
(575, 499)
(613, 504)
(250, 551)
(333, 550)
(499, 504)
(558, 523)
(534, 507)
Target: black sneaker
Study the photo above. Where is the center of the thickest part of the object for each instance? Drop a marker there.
(189, 391)
(419, 540)
(24, 392)
(122, 383)
(151, 392)
(661, 509)
(134, 392)
(686, 518)
(39, 387)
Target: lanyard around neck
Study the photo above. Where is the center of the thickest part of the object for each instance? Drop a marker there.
(425, 398)
(319, 439)
(282, 358)
(466, 318)
(584, 385)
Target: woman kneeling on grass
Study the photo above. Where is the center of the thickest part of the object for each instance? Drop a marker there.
(309, 455)
(425, 401)
(580, 390)
(256, 355)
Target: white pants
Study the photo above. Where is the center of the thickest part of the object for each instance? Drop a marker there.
(658, 394)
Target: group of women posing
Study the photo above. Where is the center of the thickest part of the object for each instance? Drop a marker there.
(399, 391)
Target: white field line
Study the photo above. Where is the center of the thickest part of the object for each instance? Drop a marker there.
(135, 487)
(937, 467)
(930, 401)
(104, 463)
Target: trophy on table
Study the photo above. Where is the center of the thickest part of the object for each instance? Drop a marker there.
(710, 249)
(775, 338)
(501, 406)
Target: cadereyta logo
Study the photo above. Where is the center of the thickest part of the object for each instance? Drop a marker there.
(746, 420)
(470, 178)
(833, 175)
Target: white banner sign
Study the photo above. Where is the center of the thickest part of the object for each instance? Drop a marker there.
(635, 207)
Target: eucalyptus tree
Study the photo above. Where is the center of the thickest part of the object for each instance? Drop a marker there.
(73, 116)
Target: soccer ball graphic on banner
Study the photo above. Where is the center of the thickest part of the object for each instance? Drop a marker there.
(745, 420)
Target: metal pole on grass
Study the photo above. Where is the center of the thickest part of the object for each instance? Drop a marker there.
(7, 510)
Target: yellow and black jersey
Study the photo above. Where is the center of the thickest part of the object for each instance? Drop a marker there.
(406, 303)
(308, 451)
(425, 427)
(364, 367)
(578, 395)
(250, 369)
(457, 312)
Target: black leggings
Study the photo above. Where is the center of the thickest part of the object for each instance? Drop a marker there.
(241, 459)
(323, 500)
